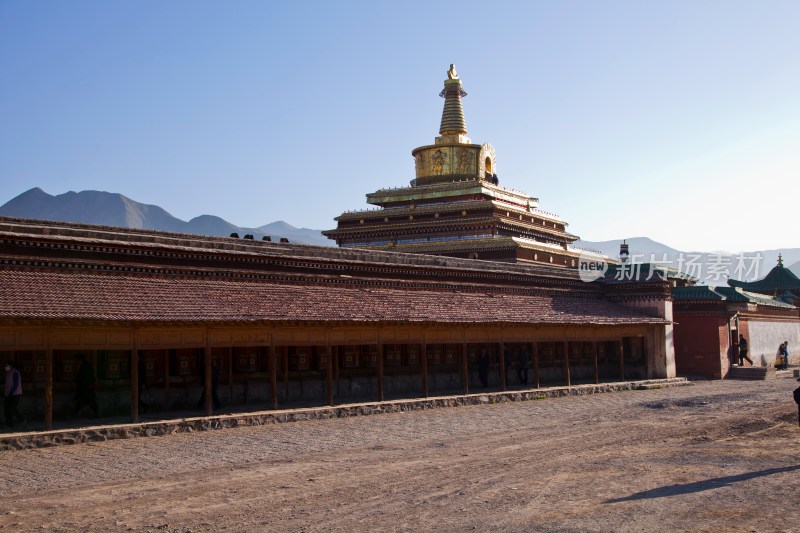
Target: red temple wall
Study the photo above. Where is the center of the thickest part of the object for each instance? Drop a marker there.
(701, 344)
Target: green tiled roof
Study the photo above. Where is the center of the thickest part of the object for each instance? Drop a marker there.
(704, 293)
(779, 280)
(698, 293)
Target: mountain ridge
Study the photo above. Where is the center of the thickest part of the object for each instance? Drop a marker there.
(115, 209)
(711, 268)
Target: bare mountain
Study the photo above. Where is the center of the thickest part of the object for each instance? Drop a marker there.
(711, 268)
(113, 209)
(637, 244)
(91, 207)
(295, 234)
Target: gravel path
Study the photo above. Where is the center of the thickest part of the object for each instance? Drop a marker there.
(718, 455)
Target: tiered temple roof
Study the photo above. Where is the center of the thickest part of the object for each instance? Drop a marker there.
(456, 206)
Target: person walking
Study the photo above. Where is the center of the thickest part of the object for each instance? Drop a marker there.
(743, 351)
(797, 401)
(13, 393)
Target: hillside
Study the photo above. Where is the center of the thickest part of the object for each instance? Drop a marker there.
(711, 268)
(113, 209)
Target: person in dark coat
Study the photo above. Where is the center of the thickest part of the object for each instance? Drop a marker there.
(85, 387)
(483, 368)
(743, 351)
(13, 394)
(797, 401)
(786, 355)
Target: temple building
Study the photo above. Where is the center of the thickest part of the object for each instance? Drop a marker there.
(164, 319)
(456, 206)
(285, 324)
(709, 321)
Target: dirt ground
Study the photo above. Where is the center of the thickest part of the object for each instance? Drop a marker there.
(715, 456)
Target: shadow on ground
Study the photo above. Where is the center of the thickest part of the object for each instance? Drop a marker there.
(699, 486)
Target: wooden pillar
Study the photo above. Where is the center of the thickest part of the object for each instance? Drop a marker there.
(502, 366)
(230, 372)
(48, 386)
(166, 378)
(465, 367)
(285, 351)
(423, 363)
(596, 362)
(566, 361)
(622, 360)
(329, 373)
(336, 369)
(207, 384)
(380, 368)
(273, 375)
(535, 352)
(135, 377)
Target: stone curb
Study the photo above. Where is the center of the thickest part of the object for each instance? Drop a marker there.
(43, 439)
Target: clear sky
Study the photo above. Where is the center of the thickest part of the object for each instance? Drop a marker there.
(674, 120)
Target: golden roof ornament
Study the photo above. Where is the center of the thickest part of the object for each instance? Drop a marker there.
(452, 74)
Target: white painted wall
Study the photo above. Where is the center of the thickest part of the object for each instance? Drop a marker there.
(766, 336)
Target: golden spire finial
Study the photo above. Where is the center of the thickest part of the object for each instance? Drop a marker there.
(780, 260)
(453, 115)
(452, 74)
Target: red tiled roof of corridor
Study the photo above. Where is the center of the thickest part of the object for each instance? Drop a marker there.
(88, 296)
